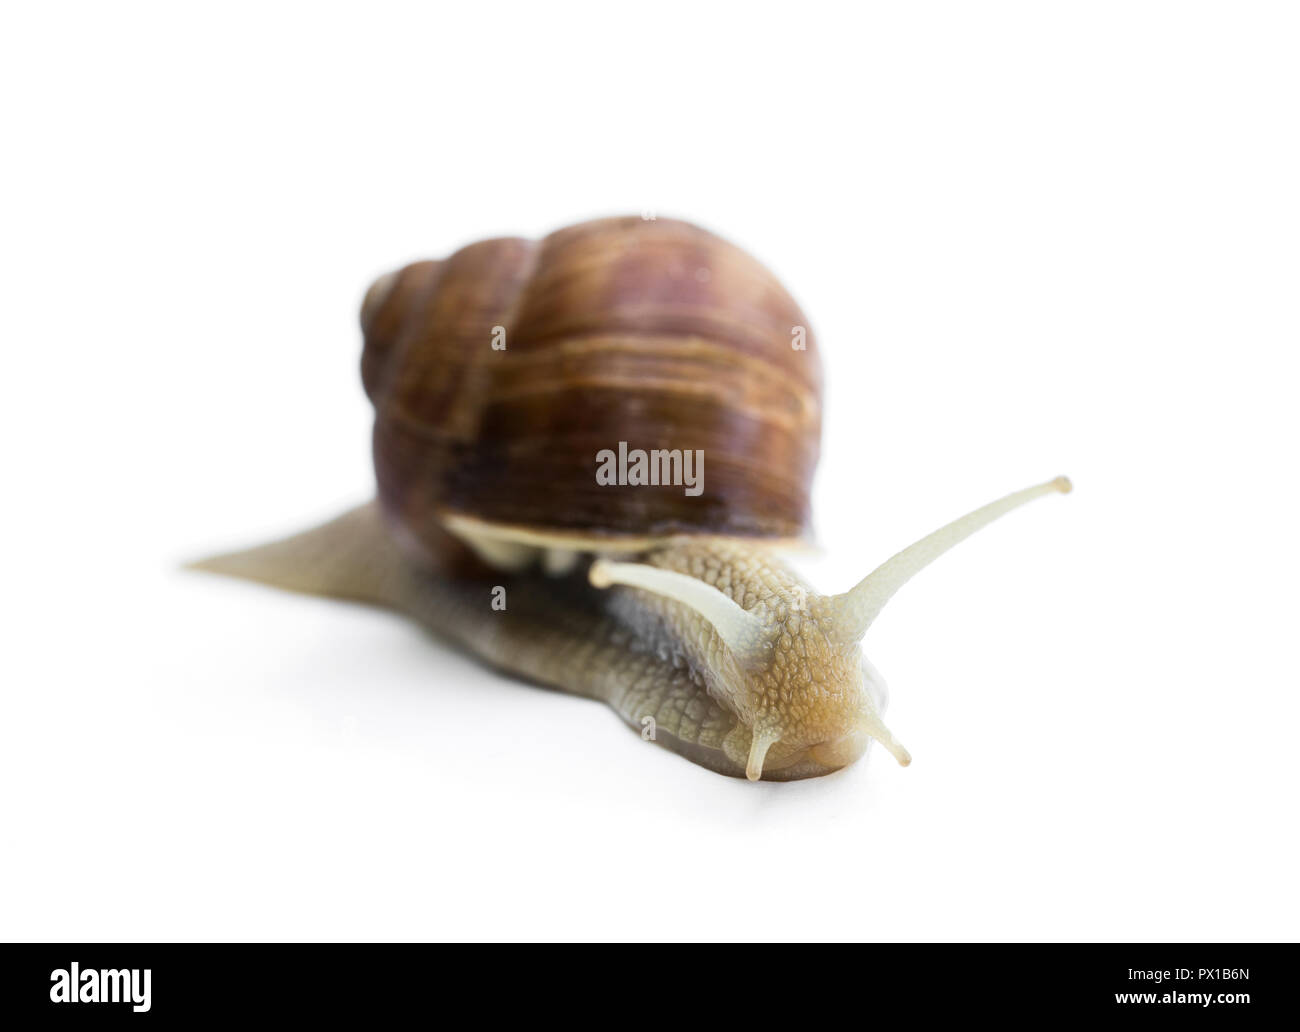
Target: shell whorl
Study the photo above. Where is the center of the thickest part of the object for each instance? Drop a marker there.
(655, 333)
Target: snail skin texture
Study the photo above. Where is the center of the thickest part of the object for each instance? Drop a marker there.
(498, 376)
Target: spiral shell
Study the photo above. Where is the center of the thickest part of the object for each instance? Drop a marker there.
(500, 373)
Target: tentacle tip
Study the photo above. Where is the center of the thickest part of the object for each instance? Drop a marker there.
(598, 576)
(895, 750)
(758, 747)
(1063, 485)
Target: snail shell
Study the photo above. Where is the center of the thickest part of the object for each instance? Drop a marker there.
(653, 333)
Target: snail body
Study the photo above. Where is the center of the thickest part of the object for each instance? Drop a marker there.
(498, 376)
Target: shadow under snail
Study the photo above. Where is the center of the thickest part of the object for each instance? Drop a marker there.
(499, 376)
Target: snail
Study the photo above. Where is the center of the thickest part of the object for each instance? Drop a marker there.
(544, 413)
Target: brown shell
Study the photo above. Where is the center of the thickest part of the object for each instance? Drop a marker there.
(651, 332)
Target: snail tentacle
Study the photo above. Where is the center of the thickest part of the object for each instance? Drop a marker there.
(743, 633)
(857, 608)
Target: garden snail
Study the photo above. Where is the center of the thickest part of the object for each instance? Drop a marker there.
(544, 412)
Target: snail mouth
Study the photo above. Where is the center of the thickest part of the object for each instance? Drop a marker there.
(840, 752)
(784, 762)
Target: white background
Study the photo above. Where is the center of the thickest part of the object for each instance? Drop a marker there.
(1032, 238)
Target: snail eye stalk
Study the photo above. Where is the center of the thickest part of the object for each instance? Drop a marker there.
(856, 609)
(742, 632)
